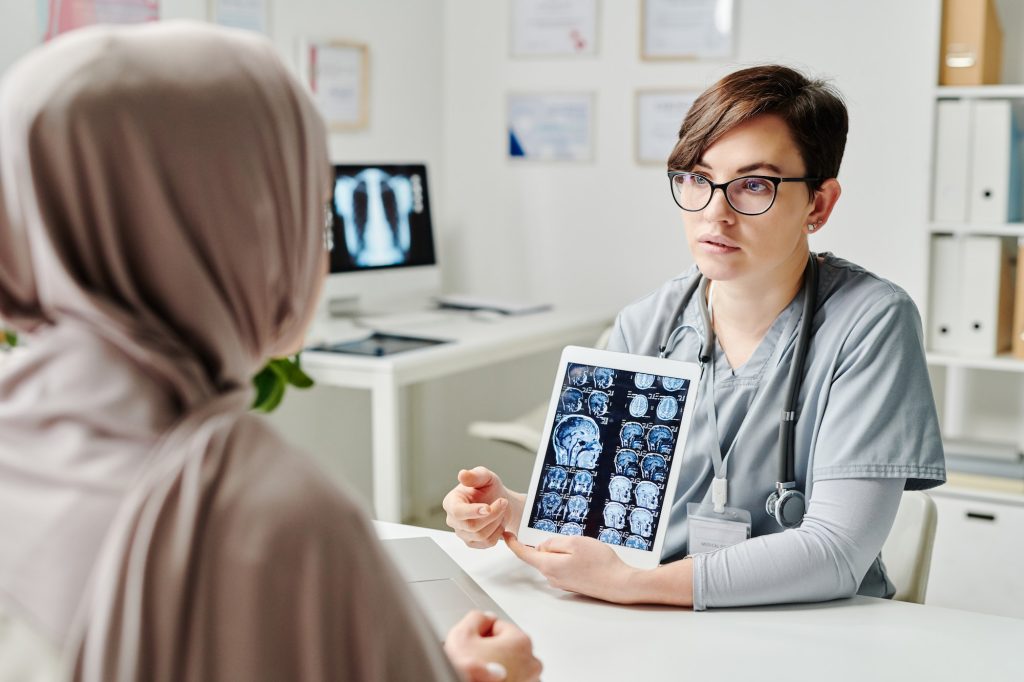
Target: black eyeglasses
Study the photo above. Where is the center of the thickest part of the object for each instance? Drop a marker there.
(749, 195)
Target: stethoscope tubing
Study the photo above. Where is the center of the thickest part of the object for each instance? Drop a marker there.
(787, 423)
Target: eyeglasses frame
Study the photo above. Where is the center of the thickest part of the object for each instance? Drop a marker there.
(776, 181)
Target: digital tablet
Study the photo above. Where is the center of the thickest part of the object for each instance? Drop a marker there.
(608, 463)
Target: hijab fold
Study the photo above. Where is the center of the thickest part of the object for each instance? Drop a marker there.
(161, 197)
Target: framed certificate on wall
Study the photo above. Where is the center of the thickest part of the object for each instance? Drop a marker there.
(551, 126)
(554, 28)
(659, 113)
(337, 73)
(686, 29)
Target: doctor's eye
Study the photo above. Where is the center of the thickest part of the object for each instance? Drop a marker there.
(756, 185)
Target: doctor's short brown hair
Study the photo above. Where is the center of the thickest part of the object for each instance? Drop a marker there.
(812, 109)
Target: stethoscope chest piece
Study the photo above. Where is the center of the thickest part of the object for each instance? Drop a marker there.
(786, 506)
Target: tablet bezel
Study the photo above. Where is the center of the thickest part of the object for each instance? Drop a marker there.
(629, 363)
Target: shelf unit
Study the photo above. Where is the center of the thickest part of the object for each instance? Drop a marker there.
(956, 376)
(963, 229)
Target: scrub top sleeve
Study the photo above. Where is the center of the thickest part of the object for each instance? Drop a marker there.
(879, 419)
(617, 339)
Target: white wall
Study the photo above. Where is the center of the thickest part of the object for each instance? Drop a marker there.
(405, 63)
(608, 230)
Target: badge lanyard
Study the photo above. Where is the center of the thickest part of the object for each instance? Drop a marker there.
(720, 484)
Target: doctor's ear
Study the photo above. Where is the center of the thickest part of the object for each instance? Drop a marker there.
(823, 202)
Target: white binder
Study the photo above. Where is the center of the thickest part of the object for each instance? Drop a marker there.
(952, 161)
(992, 144)
(944, 309)
(986, 295)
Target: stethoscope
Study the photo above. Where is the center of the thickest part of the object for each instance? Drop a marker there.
(786, 504)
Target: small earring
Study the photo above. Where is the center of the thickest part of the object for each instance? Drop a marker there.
(813, 227)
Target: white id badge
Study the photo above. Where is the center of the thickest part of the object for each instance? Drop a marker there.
(710, 530)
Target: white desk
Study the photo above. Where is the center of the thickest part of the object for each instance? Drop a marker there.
(474, 343)
(852, 639)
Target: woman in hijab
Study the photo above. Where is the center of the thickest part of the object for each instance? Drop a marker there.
(161, 235)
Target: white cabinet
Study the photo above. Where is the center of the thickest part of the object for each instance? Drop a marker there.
(980, 395)
(978, 560)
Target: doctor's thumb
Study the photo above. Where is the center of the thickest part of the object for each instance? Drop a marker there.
(478, 477)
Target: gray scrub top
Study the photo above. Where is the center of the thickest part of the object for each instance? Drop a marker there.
(865, 408)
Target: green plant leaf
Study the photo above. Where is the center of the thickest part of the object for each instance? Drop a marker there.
(10, 338)
(272, 381)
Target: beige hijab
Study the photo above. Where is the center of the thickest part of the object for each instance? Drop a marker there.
(161, 197)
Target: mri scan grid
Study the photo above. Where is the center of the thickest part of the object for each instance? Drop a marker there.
(611, 448)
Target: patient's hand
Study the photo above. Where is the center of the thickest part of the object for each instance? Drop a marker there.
(485, 649)
(481, 508)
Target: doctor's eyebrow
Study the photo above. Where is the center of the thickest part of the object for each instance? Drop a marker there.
(746, 169)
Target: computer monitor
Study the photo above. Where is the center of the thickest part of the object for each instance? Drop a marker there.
(383, 258)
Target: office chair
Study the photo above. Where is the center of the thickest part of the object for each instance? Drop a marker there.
(525, 430)
(907, 551)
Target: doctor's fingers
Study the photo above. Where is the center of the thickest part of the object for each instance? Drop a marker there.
(476, 515)
(477, 541)
(560, 544)
(490, 531)
(545, 562)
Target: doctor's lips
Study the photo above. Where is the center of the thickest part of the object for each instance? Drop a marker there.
(718, 243)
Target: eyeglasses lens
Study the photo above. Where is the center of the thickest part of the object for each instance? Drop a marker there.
(750, 196)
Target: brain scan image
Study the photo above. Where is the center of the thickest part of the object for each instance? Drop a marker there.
(588, 459)
(643, 381)
(577, 508)
(612, 537)
(667, 408)
(638, 405)
(654, 468)
(626, 463)
(578, 375)
(615, 515)
(631, 435)
(550, 505)
(571, 529)
(572, 400)
(604, 377)
(544, 524)
(647, 495)
(582, 483)
(641, 522)
(577, 442)
(555, 479)
(660, 440)
(618, 488)
(598, 403)
(671, 383)
(636, 542)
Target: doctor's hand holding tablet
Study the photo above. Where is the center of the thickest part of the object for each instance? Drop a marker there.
(748, 435)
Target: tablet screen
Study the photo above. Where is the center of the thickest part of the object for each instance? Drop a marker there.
(609, 455)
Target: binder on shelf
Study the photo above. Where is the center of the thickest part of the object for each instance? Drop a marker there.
(971, 47)
(971, 310)
(944, 308)
(1018, 309)
(952, 161)
(986, 294)
(995, 194)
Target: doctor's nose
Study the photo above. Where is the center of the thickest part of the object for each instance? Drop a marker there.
(718, 209)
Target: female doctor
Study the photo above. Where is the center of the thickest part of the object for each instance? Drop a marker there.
(754, 174)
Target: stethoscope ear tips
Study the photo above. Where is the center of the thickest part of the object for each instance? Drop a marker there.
(787, 509)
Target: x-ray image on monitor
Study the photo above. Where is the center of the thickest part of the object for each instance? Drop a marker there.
(607, 473)
(381, 217)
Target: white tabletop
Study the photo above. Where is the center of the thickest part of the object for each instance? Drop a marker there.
(472, 342)
(852, 639)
